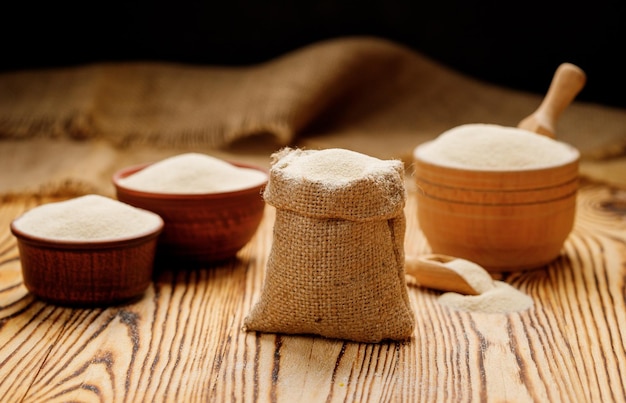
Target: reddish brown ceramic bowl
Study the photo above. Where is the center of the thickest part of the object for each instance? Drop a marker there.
(87, 272)
(199, 228)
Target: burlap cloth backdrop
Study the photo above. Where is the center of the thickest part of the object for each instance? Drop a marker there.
(65, 131)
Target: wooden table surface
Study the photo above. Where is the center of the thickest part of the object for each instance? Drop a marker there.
(183, 342)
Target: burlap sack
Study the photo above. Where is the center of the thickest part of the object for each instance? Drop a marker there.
(336, 266)
(65, 131)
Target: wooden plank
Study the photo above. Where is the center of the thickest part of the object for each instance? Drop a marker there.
(183, 340)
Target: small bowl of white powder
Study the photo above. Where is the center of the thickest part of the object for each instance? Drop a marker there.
(499, 196)
(211, 207)
(89, 250)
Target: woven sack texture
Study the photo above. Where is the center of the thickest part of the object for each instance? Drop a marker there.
(336, 266)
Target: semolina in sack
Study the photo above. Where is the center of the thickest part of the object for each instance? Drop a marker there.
(336, 265)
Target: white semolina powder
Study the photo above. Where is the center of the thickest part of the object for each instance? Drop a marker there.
(334, 166)
(494, 147)
(87, 218)
(477, 277)
(502, 298)
(493, 297)
(193, 173)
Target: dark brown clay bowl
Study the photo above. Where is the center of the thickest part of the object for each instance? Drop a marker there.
(199, 228)
(87, 273)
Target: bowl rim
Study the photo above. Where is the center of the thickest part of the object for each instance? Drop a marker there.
(103, 243)
(575, 159)
(128, 170)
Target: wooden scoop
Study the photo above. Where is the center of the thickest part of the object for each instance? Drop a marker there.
(567, 82)
(436, 271)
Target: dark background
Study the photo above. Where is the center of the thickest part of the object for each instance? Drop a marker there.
(515, 44)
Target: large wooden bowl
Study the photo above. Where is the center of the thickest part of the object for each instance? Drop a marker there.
(504, 220)
(199, 228)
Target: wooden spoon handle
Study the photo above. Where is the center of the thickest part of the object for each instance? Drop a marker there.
(567, 82)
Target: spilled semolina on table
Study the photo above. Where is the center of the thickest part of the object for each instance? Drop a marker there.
(183, 341)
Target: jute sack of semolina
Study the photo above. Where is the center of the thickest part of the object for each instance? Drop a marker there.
(336, 265)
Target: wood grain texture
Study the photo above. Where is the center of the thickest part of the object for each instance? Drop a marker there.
(182, 342)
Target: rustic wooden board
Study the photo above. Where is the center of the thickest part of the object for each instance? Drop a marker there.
(182, 342)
